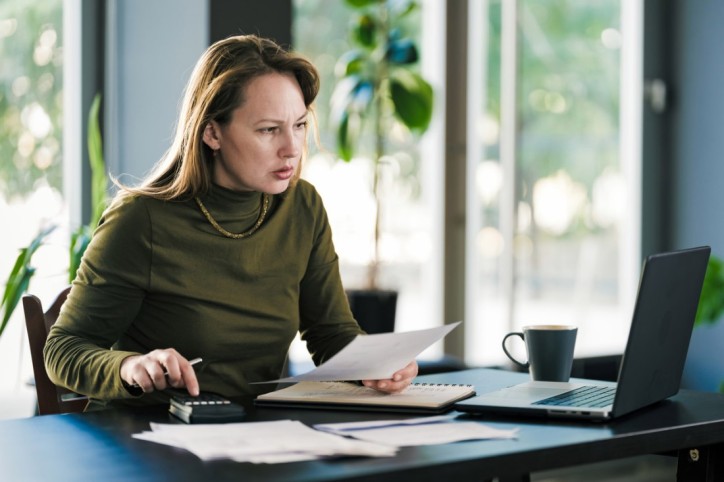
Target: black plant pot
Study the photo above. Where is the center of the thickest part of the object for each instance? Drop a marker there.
(374, 310)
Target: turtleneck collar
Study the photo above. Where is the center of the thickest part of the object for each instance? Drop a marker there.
(224, 200)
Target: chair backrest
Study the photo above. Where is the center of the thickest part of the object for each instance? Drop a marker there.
(51, 398)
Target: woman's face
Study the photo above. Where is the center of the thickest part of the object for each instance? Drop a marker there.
(260, 148)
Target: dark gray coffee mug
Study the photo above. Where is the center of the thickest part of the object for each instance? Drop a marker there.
(550, 351)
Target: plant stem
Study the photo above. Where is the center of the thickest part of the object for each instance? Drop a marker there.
(379, 129)
(379, 152)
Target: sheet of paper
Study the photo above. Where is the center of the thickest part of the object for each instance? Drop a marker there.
(418, 431)
(373, 357)
(260, 442)
(343, 428)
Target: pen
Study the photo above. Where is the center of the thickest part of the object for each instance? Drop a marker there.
(191, 362)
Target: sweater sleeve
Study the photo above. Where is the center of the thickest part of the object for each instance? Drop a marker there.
(326, 321)
(104, 300)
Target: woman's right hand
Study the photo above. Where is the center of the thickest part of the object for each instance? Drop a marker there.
(159, 370)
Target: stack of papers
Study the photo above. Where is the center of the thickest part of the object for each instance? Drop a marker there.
(417, 431)
(260, 442)
(292, 441)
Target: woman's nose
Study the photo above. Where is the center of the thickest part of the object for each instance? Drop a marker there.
(291, 145)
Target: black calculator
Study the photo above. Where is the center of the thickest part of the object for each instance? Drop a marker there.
(206, 408)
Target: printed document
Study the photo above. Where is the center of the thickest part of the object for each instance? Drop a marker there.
(373, 357)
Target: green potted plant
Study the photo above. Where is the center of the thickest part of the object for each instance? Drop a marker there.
(19, 278)
(711, 301)
(378, 87)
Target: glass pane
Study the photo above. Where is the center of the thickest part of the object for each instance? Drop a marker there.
(31, 58)
(565, 244)
(408, 247)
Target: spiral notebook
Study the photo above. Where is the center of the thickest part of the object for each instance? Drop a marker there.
(418, 397)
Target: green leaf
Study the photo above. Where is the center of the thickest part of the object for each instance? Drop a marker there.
(99, 179)
(402, 52)
(362, 3)
(13, 293)
(350, 63)
(413, 98)
(361, 98)
(351, 95)
(400, 8)
(364, 31)
(711, 301)
(79, 241)
(342, 96)
(351, 98)
(20, 276)
(351, 123)
(345, 147)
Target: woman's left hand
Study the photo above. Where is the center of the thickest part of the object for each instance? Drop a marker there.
(400, 380)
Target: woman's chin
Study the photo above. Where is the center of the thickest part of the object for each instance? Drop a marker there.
(277, 187)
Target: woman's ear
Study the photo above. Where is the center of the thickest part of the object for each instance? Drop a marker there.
(211, 137)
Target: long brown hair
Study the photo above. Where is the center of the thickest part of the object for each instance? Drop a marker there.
(216, 88)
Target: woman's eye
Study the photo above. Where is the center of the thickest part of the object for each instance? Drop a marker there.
(302, 125)
(268, 130)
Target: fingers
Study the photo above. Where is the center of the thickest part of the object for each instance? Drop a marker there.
(409, 372)
(387, 386)
(400, 380)
(188, 379)
(158, 370)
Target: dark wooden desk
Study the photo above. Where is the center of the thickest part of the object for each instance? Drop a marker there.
(98, 446)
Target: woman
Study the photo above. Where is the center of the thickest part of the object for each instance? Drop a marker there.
(221, 253)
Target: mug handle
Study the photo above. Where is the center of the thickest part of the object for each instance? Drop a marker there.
(522, 337)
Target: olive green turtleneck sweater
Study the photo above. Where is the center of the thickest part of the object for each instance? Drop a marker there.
(158, 275)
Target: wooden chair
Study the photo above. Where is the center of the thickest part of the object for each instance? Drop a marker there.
(51, 398)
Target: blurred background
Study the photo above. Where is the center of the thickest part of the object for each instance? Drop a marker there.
(568, 141)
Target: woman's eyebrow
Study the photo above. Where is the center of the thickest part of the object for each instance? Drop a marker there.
(280, 121)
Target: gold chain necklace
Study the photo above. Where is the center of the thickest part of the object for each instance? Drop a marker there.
(245, 234)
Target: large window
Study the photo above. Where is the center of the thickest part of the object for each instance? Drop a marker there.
(552, 172)
(31, 173)
(553, 197)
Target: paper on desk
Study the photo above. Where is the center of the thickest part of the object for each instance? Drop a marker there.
(373, 357)
(417, 431)
(260, 442)
(345, 427)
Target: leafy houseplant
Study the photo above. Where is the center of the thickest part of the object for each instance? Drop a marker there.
(19, 278)
(377, 88)
(711, 301)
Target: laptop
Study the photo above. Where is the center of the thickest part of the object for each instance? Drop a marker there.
(652, 364)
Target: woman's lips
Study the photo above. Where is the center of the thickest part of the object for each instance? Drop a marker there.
(284, 173)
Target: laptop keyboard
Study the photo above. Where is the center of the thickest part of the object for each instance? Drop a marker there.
(588, 396)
